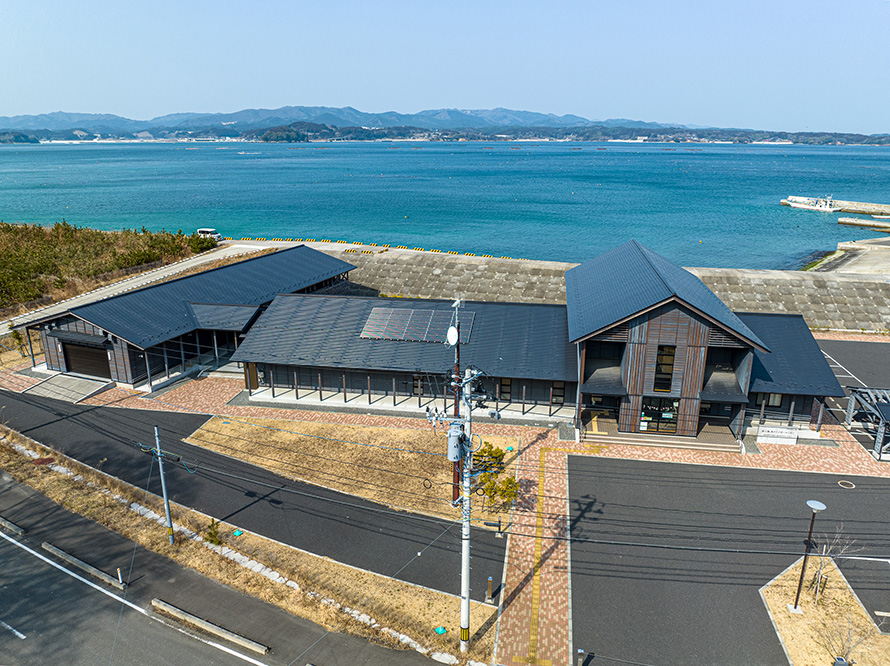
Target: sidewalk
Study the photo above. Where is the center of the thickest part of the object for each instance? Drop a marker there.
(154, 576)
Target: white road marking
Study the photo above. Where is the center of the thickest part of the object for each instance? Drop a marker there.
(868, 559)
(17, 633)
(834, 363)
(130, 604)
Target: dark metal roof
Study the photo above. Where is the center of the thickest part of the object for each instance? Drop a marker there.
(722, 386)
(604, 377)
(796, 365)
(516, 340)
(214, 316)
(631, 278)
(79, 338)
(148, 316)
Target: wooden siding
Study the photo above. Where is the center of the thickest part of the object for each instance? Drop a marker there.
(687, 419)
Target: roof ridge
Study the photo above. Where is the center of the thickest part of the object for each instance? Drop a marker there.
(642, 249)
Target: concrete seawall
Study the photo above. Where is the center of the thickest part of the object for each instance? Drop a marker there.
(837, 301)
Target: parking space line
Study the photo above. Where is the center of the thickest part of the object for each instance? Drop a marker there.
(18, 634)
(834, 363)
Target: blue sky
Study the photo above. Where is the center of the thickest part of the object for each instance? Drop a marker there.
(780, 64)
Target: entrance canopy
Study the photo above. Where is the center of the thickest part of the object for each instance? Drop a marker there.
(875, 403)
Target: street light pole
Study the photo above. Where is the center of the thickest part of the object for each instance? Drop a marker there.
(816, 506)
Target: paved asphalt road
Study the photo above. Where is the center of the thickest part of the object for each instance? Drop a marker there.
(324, 522)
(66, 621)
(661, 606)
(49, 617)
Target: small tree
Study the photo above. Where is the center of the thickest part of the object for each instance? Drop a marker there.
(488, 461)
(840, 637)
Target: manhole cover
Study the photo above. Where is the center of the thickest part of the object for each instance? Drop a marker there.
(849, 485)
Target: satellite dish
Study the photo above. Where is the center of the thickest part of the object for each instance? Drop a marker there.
(451, 336)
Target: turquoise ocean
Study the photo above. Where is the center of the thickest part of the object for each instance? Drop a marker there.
(697, 204)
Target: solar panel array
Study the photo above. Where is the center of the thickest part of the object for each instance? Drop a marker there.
(414, 325)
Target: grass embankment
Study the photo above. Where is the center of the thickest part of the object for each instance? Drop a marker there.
(394, 466)
(405, 608)
(836, 626)
(63, 260)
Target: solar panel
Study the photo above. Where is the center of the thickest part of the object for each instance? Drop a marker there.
(410, 325)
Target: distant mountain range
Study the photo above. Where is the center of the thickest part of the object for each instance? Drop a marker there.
(253, 119)
(293, 124)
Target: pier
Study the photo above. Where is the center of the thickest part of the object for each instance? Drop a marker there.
(843, 206)
(875, 225)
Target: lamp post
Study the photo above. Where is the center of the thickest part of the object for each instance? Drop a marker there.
(816, 506)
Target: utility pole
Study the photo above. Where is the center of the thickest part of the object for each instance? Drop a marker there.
(456, 466)
(460, 449)
(160, 456)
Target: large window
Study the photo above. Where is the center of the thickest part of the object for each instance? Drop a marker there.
(664, 368)
(659, 415)
(506, 389)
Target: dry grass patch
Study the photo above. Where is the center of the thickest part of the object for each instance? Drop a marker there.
(405, 608)
(400, 467)
(827, 629)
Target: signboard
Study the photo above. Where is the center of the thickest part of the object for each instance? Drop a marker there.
(776, 435)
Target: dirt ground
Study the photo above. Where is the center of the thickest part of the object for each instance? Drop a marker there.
(827, 629)
(406, 608)
(403, 468)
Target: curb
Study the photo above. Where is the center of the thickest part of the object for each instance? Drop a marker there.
(218, 631)
(80, 564)
(11, 527)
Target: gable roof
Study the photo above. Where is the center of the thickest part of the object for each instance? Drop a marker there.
(148, 316)
(796, 364)
(520, 340)
(632, 278)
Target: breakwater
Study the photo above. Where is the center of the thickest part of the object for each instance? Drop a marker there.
(843, 206)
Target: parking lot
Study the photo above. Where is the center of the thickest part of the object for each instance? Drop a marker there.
(857, 364)
(667, 559)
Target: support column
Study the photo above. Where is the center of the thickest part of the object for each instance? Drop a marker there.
(821, 415)
(166, 362)
(271, 370)
(523, 399)
(147, 368)
(320, 399)
(182, 354)
(791, 413)
(215, 348)
(851, 407)
(879, 438)
(343, 384)
(369, 389)
(393, 391)
(30, 347)
(762, 409)
(550, 404)
(296, 383)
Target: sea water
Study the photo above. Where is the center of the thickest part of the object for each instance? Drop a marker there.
(697, 204)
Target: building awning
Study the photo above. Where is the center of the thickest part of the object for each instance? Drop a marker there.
(79, 338)
(722, 386)
(605, 378)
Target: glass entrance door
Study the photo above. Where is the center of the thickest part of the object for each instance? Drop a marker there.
(659, 415)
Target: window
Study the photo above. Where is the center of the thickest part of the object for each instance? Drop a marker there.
(418, 385)
(506, 389)
(704, 408)
(559, 393)
(772, 399)
(664, 368)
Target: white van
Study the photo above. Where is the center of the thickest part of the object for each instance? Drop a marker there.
(210, 233)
